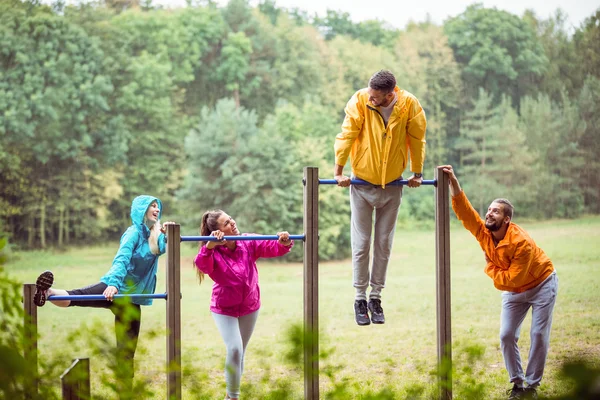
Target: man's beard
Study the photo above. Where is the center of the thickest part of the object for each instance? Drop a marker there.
(493, 227)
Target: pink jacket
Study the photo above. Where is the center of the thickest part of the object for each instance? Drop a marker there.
(235, 289)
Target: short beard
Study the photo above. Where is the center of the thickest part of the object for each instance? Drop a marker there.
(493, 227)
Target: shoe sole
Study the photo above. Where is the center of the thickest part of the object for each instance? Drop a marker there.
(43, 283)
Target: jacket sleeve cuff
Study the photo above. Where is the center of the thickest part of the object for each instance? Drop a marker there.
(287, 248)
(111, 282)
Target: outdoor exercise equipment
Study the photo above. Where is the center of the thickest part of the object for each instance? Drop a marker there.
(310, 238)
(173, 321)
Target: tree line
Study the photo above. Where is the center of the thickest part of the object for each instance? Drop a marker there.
(221, 107)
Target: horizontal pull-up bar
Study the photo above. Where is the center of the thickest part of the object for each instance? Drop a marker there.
(98, 297)
(398, 182)
(232, 238)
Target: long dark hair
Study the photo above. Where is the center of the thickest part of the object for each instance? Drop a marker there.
(210, 223)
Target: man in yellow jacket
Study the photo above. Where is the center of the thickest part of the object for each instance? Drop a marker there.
(383, 125)
(527, 278)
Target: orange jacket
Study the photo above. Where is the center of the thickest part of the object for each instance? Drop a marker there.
(379, 152)
(517, 263)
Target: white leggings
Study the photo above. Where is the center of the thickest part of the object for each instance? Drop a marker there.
(236, 333)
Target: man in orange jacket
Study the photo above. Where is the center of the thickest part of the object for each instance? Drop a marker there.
(384, 125)
(527, 278)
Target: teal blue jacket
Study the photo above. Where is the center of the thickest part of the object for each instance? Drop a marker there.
(134, 267)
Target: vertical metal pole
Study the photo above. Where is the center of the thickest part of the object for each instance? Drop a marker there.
(173, 313)
(30, 347)
(442, 250)
(311, 283)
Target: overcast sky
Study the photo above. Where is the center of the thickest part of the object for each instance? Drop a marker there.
(399, 12)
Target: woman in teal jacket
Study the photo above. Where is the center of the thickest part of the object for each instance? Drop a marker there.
(133, 271)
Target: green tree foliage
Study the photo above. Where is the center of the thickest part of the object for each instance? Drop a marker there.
(377, 32)
(434, 77)
(300, 17)
(338, 23)
(360, 60)
(493, 152)
(154, 60)
(564, 71)
(477, 144)
(269, 8)
(310, 130)
(498, 51)
(54, 121)
(553, 131)
(285, 65)
(217, 138)
(282, 59)
(234, 62)
(242, 170)
(96, 100)
(255, 174)
(587, 43)
(589, 104)
(240, 17)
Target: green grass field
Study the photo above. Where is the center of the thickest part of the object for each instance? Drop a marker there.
(400, 354)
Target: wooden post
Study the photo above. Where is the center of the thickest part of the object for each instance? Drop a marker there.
(173, 313)
(30, 347)
(442, 250)
(76, 380)
(311, 283)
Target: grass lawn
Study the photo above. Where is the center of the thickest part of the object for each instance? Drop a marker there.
(400, 354)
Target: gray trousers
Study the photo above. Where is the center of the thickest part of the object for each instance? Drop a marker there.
(385, 203)
(236, 333)
(541, 300)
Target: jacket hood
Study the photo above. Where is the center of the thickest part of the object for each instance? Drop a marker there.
(140, 205)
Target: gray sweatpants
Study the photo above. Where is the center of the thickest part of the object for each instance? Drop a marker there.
(364, 199)
(541, 300)
(236, 333)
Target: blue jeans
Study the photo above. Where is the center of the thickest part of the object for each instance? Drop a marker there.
(541, 300)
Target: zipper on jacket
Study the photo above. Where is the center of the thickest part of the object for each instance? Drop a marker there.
(384, 132)
(381, 115)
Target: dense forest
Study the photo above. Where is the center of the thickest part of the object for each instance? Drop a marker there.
(221, 107)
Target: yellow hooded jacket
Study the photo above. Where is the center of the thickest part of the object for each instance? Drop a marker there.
(379, 153)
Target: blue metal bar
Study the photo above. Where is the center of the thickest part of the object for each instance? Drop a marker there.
(398, 182)
(249, 237)
(95, 297)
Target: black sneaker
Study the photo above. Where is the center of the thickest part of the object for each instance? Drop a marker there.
(516, 393)
(376, 311)
(360, 312)
(43, 283)
(530, 393)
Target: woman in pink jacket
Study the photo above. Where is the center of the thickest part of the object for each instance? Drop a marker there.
(236, 295)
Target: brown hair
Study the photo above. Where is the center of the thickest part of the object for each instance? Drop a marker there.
(210, 223)
(383, 80)
(506, 206)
